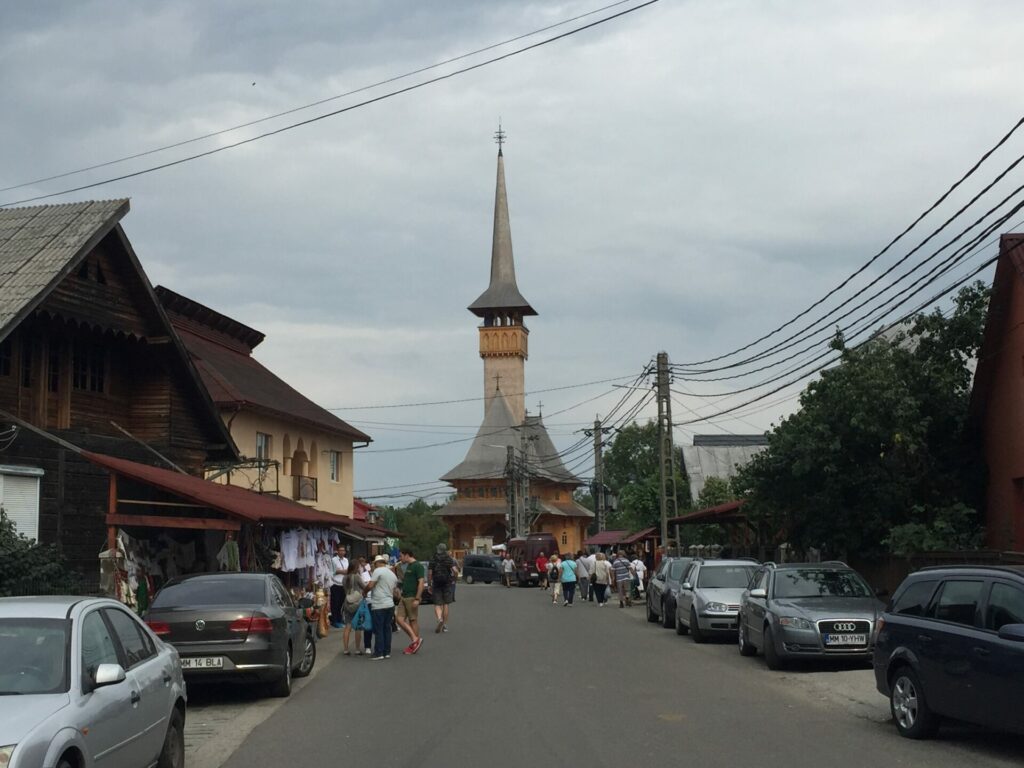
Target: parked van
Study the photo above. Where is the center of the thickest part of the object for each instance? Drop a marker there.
(525, 550)
(485, 568)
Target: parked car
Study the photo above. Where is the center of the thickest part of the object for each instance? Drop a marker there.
(72, 661)
(662, 589)
(709, 597)
(485, 568)
(951, 645)
(235, 627)
(807, 610)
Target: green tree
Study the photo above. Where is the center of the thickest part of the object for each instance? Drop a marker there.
(420, 529)
(879, 442)
(632, 471)
(28, 568)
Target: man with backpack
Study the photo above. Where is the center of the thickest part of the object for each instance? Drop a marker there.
(442, 571)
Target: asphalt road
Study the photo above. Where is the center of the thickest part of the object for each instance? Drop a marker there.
(517, 682)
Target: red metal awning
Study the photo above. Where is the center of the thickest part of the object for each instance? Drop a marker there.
(605, 538)
(238, 502)
(729, 512)
(646, 533)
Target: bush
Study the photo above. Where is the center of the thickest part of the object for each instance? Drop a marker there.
(29, 568)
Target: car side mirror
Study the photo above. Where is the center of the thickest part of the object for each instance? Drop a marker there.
(686, 585)
(108, 674)
(1012, 632)
(758, 593)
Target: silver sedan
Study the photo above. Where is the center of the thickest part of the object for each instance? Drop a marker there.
(84, 683)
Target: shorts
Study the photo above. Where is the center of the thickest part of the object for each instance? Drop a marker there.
(444, 594)
(407, 609)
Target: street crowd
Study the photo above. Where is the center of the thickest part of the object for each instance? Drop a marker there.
(594, 575)
(370, 602)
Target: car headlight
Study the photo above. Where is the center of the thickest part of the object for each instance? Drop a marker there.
(795, 622)
(5, 753)
(716, 608)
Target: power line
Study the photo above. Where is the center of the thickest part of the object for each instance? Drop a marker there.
(336, 112)
(874, 258)
(312, 104)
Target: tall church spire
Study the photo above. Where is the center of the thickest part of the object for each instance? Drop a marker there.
(502, 296)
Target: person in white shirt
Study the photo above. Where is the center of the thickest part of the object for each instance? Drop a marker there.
(340, 563)
(641, 571)
(591, 562)
(382, 606)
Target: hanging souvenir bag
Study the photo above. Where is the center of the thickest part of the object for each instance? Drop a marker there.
(362, 618)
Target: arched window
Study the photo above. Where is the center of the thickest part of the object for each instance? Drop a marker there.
(565, 538)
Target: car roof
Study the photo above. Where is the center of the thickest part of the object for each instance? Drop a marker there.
(825, 566)
(221, 575)
(1015, 570)
(41, 607)
(751, 563)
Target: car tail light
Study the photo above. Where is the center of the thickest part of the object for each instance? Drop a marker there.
(252, 624)
(160, 628)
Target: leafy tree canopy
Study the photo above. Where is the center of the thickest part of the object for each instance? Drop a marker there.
(420, 530)
(632, 471)
(879, 444)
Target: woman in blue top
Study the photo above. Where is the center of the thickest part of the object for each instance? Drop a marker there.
(568, 568)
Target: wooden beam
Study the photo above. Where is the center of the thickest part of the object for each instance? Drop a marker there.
(145, 502)
(112, 510)
(193, 523)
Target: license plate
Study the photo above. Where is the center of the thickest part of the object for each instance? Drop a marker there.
(203, 662)
(846, 639)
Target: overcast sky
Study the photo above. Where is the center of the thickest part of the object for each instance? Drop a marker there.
(683, 178)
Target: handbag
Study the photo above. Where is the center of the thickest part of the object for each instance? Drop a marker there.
(362, 620)
(396, 594)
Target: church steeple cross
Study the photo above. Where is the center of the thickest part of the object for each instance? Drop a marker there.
(500, 137)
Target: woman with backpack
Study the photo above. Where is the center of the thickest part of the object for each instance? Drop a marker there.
(555, 578)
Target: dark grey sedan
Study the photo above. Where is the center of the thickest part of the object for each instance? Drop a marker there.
(235, 627)
(663, 589)
(807, 610)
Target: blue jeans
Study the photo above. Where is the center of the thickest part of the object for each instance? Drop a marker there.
(568, 591)
(382, 630)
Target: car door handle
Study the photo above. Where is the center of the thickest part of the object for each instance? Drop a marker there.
(136, 697)
(982, 651)
(167, 678)
(924, 638)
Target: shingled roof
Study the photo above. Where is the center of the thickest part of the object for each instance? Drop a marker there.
(41, 244)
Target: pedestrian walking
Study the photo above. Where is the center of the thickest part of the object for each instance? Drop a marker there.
(582, 576)
(639, 574)
(591, 561)
(568, 574)
(603, 576)
(542, 570)
(340, 563)
(407, 612)
(442, 572)
(623, 571)
(382, 606)
(555, 578)
(354, 594)
(508, 566)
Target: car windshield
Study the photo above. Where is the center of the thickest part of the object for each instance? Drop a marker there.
(675, 570)
(35, 656)
(724, 576)
(819, 582)
(212, 592)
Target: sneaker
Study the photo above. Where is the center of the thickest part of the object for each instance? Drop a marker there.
(376, 658)
(444, 627)
(408, 651)
(439, 628)
(416, 645)
(369, 652)
(387, 655)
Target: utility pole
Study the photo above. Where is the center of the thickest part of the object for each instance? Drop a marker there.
(523, 525)
(510, 491)
(665, 448)
(600, 500)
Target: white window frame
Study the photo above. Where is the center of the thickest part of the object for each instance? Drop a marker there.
(19, 498)
(334, 459)
(264, 447)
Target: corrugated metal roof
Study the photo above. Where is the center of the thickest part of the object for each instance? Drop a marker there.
(704, 461)
(605, 538)
(41, 244)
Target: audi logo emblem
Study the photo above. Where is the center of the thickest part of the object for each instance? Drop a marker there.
(200, 625)
(844, 626)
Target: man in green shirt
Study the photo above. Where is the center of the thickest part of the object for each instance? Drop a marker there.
(407, 614)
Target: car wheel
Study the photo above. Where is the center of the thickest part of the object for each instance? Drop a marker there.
(771, 654)
(173, 753)
(746, 649)
(651, 615)
(666, 620)
(308, 657)
(65, 763)
(695, 631)
(282, 687)
(914, 719)
(468, 578)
